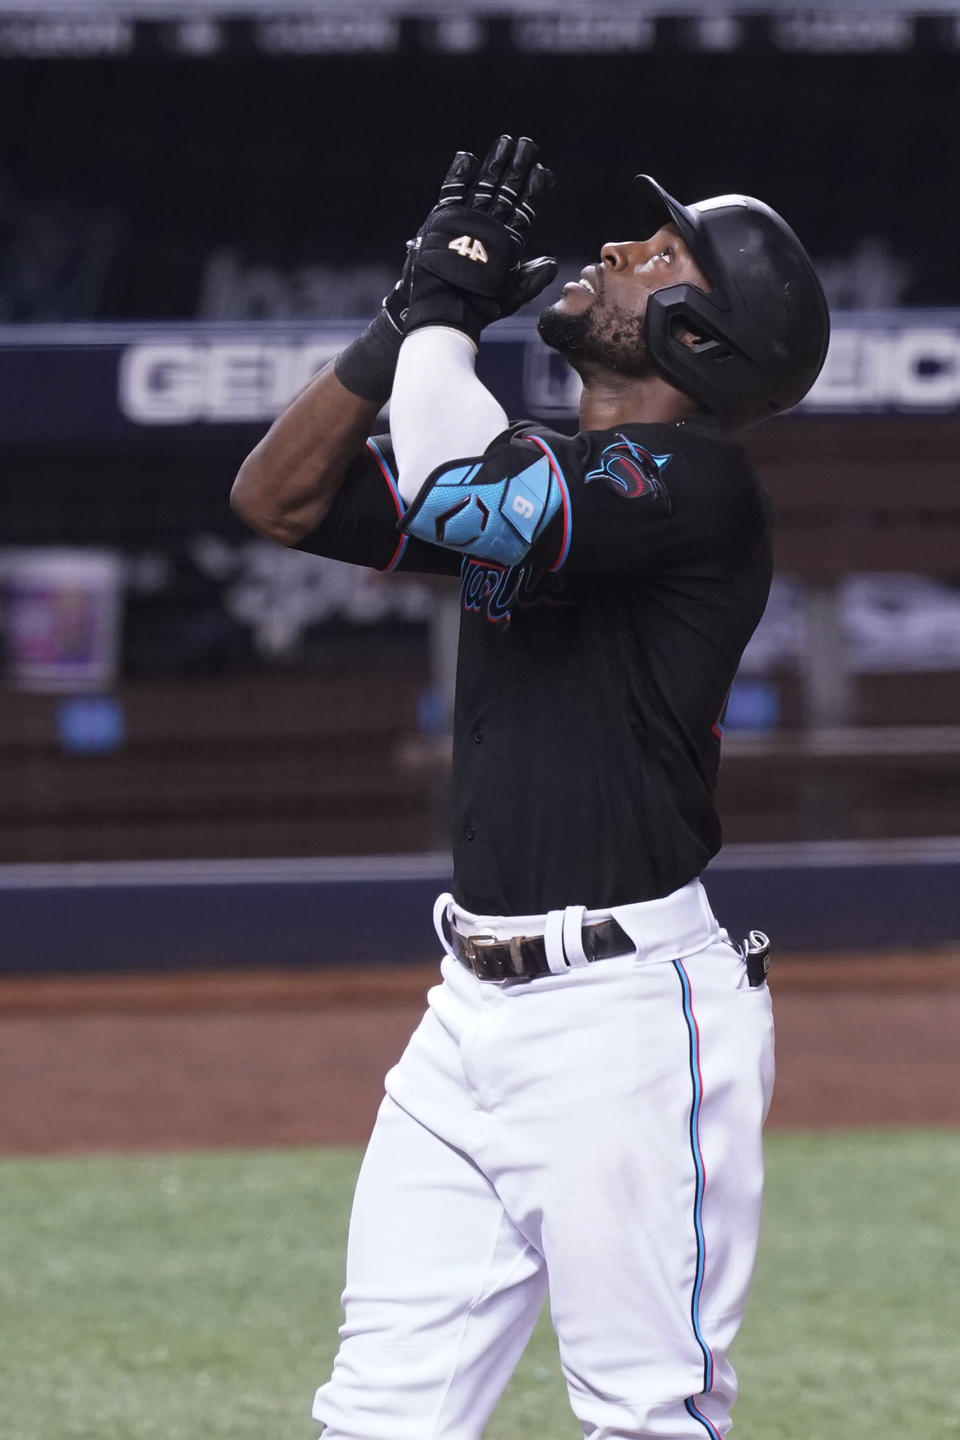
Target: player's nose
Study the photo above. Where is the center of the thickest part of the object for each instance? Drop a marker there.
(618, 254)
(612, 254)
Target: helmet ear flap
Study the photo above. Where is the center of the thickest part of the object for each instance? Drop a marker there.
(695, 351)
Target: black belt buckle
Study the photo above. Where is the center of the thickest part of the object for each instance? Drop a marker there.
(756, 952)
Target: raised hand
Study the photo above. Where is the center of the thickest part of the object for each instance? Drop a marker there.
(464, 267)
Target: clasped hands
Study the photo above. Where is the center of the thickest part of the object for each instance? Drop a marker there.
(464, 269)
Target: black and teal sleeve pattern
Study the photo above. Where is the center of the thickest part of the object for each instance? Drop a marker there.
(496, 507)
(643, 499)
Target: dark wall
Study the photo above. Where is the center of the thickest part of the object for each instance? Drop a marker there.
(150, 164)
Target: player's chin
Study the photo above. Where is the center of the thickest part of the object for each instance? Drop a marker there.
(562, 327)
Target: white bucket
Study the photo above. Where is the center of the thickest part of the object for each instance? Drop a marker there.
(61, 618)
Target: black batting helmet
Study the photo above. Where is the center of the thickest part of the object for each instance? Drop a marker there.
(764, 326)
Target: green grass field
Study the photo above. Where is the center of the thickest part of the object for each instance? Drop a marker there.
(195, 1297)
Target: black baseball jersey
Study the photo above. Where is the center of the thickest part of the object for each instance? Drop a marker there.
(609, 583)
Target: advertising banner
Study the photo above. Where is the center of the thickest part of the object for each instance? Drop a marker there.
(102, 382)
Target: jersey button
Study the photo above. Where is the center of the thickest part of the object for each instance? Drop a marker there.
(469, 832)
(477, 736)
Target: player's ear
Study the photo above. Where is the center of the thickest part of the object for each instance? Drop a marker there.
(686, 336)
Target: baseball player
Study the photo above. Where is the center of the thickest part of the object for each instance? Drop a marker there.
(579, 1113)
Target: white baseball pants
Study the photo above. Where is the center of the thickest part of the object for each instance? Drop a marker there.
(594, 1135)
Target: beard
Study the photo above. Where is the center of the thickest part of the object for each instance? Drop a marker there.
(599, 337)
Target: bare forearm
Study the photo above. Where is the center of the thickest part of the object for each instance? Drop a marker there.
(288, 481)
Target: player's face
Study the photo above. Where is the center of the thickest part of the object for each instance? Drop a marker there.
(600, 317)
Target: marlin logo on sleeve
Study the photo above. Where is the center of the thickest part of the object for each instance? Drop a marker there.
(630, 470)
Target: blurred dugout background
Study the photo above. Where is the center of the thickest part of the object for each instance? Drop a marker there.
(200, 201)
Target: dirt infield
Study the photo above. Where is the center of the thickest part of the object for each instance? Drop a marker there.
(194, 1061)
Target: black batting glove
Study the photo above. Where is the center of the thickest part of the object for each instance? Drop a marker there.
(523, 284)
(367, 365)
(465, 268)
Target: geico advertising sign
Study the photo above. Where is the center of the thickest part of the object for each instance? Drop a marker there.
(903, 367)
(181, 382)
